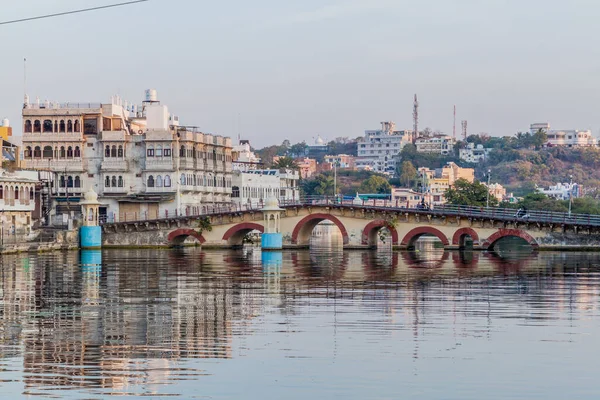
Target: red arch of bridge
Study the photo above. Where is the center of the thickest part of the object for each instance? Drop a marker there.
(240, 230)
(489, 242)
(375, 226)
(312, 220)
(465, 231)
(179, 235)
(415, 233)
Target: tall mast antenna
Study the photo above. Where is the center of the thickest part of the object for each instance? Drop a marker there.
(454, 125)
(415, 119)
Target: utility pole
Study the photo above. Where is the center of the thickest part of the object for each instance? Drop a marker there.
(334, 180)
(488, 189)
(570, 193)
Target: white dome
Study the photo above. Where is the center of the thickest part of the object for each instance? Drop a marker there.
(90, 197)
(319, 141)
(271, 204)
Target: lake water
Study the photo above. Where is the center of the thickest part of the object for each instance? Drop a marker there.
(313, 324)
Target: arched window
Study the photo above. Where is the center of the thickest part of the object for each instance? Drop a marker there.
(235, 191)
(69, 126)
(150, 151)
(31, 197)
(120, 151)
(28, 153)
(77, 182)
(37, 126)
(16, 193)
(76, 126)
(205, 180)
(47, 126)
(77, 152)
(28, 126)
(113, 151)
(69, 181)
(182, 151)
(55, 126)
(1, 192)
(121, 184)
(167, 152)
(107, 181)
(56, 152)
(159, 181)
(63, 152)
(37, 152)
(47, 152)
(194, 180)
(69, 152)
(183, 179)
(107, 151)
(215, 183)
(158, 151)
(113, 181)
(223, 182)
(61, 126)
(167, 180)
(150, 181)
(62, 181)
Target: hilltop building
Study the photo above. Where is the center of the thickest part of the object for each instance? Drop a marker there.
(474, 153)
(379, 149)
(139, 159)
(562, 191)
(342, 161)
(244, 158)
(437, 144)
(566, 138)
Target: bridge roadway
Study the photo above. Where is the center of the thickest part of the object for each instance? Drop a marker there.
(360, 225)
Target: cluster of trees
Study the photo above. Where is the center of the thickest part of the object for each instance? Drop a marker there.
(464, 193)
(341, 145)
(349, 183)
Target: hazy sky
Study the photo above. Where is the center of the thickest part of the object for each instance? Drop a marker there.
(294, 69)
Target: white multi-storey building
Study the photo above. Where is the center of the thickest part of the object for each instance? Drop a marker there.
(379, 150)
(437, 144)
(562, 191)
(474, 153)
(567, 138)
(251, 186)
(17, 201)
(137, 158)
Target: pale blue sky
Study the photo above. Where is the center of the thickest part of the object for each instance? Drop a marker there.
(294, 69)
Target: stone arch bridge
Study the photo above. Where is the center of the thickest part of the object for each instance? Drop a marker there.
(360, 227)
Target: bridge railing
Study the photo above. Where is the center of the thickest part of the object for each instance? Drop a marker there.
(447, 210)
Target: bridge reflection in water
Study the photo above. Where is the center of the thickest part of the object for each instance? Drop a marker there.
(143, 322)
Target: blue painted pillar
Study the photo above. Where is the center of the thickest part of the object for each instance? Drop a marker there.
(271, 239)
(90, 233)
(91, 261)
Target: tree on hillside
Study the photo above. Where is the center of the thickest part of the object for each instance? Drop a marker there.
(464, 193)
(408, 174)
(376, 184)
(324, 185)
(285, 162)
(539, 201)
(299, 149)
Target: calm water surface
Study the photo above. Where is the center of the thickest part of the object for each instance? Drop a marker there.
(314, 324)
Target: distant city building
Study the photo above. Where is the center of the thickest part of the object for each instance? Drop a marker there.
(404, 197)
(567, 138)
(307, 167)
(139, 159)
(243, 157)
(253, 187)
(436, 182)
(562, 191)
(474, 153)
(319, 148)
(342, 161)
(437, 144)
(379, 150)
(497, 190)
(5, 129)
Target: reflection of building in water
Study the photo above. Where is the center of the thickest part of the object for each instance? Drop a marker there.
(117, 327)
(326, 234)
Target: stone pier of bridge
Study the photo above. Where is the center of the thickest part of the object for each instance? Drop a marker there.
(359, 226)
